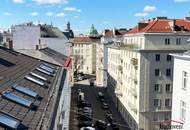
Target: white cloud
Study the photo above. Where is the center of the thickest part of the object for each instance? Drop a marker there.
(149, 9)
(141, 14)
(49, 14)
(54, 2)
(61, 14)
(73, 9)
(180, 1)
(18, 1)
(7, 13)
(34, 13)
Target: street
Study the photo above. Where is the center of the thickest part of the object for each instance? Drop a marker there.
(91, 93)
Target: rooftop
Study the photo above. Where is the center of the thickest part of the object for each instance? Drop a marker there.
(86, 39)
(26, 86)
(162, 25)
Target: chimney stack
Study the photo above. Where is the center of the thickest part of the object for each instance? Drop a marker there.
(142, 25)
(172, 24)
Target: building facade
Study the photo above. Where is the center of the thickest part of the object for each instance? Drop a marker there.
(181, 93)
(84, 54)
(108, 37)
(140, 77)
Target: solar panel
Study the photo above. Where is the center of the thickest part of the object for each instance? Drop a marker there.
(45, 72)
(47, 68)
(48, 65)
(25, 91)
(17, 99)
(34, 80)
(38, 76)
(8, 121)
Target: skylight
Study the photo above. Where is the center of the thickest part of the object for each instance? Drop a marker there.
(38, 76)
(48, 65)
(8, 121)
(47, 69)
(45, 72)
(34, 80)
(25, 91)
(17, 99)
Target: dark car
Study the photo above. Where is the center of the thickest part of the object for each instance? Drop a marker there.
(83, 104)
(109, 117)
(85, 123)
(100, 125)
(100, 95)
(105, 105)
(114, 125)
(85, 117)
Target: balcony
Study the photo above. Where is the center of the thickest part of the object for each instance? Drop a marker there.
(133, 91)
(120, 68)
(134, 61)
(133, 107)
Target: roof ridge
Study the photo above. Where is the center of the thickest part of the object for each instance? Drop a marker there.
(154, 22)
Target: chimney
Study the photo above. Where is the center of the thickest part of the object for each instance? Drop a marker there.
(142, 25)
(11, 44)
(114, 31)
(172, 24)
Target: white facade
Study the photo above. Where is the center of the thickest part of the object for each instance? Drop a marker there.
(143, 77)
(181, 92)
(30, 37)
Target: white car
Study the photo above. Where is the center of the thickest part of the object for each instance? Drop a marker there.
(87, 128)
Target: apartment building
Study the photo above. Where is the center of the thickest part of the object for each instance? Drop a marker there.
(181, 92)
(140, 71)
(108, 37)
(84, 54)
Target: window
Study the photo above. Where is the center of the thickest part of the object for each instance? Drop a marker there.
(38, 76)
(157, 72)
(169, 58)
(182, 110)
(167, 41)
(184, 80)
(168, 88)
(155, 117)
(157, 102)
(47, 68)
(34, 80)
(168, 102)
(167, 116)
(9, 121)
(25, 91)
(168, 72)
(178, 41)
(157, 57)
(157, 88)
(45, 72)
(48, 65)
(17, 99)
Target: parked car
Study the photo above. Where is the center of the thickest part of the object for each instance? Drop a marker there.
(85, 123)
(85, 117)
(87, 128)
(105, 105)
(91, 81)
(100, 125)
(109, 117)
(100, 95)
(83, 104)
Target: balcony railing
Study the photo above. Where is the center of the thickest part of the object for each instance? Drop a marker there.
(134, 61)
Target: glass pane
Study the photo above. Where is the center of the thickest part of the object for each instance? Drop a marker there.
(47, 68)
(45, 72)
(25, 91)
(48, 65)
(9, 121)
(34, 80)
(38, 76)
(17, 99)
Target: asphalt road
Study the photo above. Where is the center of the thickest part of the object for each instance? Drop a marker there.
(98, 113)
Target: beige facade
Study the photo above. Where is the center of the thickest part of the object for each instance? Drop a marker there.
(140, 76)
(84, 54)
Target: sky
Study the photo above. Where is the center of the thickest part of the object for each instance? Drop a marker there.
(82, 14)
